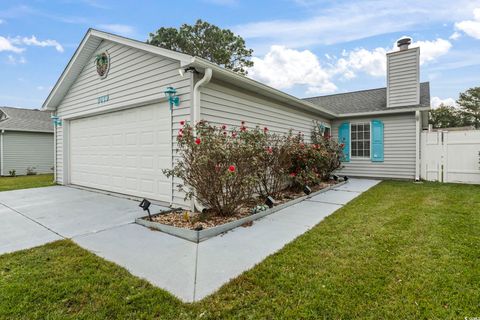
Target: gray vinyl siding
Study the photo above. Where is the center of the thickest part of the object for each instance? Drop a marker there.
(224, 104)
(134, 76)
(22, 150)
(403, 78)
(399, 149)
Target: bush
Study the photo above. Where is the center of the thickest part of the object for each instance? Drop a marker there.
(219, 165)
(223, 168)
(332, 153)
(273, 156)
(31, 171)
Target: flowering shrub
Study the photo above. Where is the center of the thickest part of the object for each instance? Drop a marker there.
(218, 165)
(273, 156)
(224, 168)
(332, 153)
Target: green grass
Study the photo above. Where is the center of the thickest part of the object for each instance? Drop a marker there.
(24, 182)
(400, 251)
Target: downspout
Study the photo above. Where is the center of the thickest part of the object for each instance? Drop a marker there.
(196, 117)
(418, 119)
(196, 94)
(54, 151)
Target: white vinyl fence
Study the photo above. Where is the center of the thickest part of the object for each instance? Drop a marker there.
(450, 156)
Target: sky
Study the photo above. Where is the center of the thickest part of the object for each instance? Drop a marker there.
(303, 47)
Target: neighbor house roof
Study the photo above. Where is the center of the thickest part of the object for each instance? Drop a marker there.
(93, 38)
(366, 101)
(18, 119)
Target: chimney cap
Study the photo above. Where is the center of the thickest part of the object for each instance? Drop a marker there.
(403, 43)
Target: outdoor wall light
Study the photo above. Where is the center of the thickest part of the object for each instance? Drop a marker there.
(173, 99)
(270, 202)
(307, 190)
(145, 205)
(56, 121)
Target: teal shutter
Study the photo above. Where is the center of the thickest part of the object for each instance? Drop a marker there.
(377, 141)
(344, 137)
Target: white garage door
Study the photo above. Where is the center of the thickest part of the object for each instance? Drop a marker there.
(123, 152)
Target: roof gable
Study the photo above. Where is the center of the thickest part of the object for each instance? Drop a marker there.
(84, 52)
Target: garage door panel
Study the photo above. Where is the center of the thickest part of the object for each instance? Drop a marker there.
(123, 152)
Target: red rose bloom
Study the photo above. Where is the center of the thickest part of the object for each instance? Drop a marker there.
(342, 145)
(182, 122)
(265, 129)
(231, 168)
(242, 128)
(197, 141)
(224, 133)
(293, 174)
(269, 150)
(224, 127)
(243, 122)
(234, 134)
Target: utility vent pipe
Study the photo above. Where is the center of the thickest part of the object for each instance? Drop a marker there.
(403, 43)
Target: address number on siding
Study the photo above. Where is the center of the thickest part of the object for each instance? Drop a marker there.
(103, 99)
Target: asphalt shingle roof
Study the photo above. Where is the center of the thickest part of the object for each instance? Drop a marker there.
(365, 101)
(18, 119)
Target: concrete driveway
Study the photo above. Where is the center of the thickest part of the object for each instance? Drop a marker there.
(32, 217)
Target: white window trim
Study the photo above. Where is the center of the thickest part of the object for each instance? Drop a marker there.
(350, 142)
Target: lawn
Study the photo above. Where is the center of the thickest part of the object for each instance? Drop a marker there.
(401, 251)
(24, 182)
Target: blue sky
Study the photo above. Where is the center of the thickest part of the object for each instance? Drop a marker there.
(303, 47)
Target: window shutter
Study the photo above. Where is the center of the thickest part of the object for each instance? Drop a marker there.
(377, 141)
(344, 137)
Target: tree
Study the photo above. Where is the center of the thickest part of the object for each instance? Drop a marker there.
(469, 102)
(220, 46)
(445, 117)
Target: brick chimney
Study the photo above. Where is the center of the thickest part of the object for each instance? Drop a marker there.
(403, 75)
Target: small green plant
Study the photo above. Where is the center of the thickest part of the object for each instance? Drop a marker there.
(12, 173)
(31, 171)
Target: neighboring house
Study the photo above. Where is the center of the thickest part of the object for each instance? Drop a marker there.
(118, 128)
(26, 141)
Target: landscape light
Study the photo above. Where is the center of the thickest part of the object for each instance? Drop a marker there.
(345, 178)
(334, 177)
(145, 205)
(307, 190)
(270, 202)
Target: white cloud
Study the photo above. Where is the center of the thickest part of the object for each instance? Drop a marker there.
(121, 29)
(455, 36)
(1, 21)
(374, 62)
(435, 102)
(14, 61)
(371, 62)
(471, 27)
(8, 45)
(33, 41)
(343, 21)
(283, 68)
(431, 50)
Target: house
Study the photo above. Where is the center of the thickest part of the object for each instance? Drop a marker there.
(26, 141)
(120, 103)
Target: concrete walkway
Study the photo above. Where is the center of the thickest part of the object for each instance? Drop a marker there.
(32, 217)
(192, 271)
(104, 225)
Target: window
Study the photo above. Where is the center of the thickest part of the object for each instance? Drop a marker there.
(326, 133)
(360, 140)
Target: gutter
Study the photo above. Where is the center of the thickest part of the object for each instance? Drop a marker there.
(369, 113)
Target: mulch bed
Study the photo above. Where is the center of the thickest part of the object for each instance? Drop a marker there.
(198, 221)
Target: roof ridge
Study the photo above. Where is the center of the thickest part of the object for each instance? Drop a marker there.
(356, 91)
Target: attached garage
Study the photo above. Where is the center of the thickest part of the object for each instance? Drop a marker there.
(117, 121)
(123, 152)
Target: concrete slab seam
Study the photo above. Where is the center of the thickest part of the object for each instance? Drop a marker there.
(27, 217)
